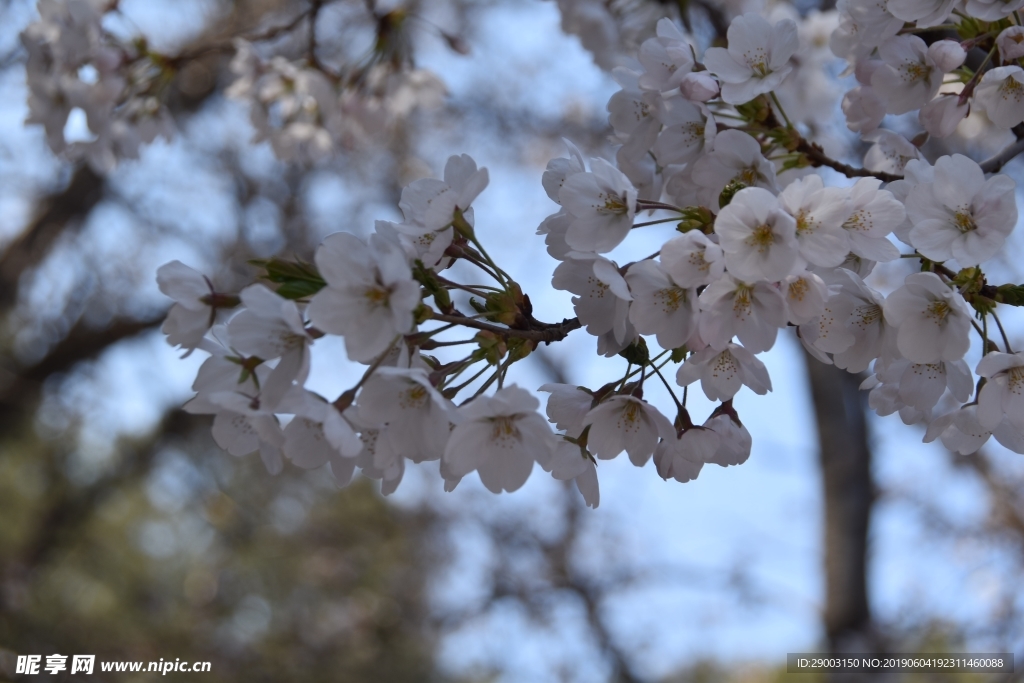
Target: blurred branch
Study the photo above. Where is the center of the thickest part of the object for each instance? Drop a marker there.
(61, 209)
(20, 387)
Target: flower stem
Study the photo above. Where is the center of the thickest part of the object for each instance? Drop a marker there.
(782, 111)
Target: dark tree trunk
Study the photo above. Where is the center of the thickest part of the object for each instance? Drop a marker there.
(845, 458)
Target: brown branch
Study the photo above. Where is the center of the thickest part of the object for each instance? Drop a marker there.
(816, 155)
(543, 332)
(20, 387)
(62, 208)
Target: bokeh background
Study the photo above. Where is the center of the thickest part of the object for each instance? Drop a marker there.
(126, 533)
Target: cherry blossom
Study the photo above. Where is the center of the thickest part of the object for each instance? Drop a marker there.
(500, 437)
(960, 214)
(1001, 95)
(602, 203)
(753, 312)
(369, 297)
(692, 260)
(660, 306)
(626, 423)
(933, 319)
(758, 238)
(722, 373)
(757, 59)
(1002, 395)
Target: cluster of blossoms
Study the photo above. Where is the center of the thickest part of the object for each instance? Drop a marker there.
(308, 111)
(305, 108)
(74, 63)
(751, 255)
(899, 72)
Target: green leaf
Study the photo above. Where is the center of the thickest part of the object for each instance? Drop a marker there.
(298, 280)
(1012, 295)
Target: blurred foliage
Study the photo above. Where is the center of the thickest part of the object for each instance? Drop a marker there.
(177, 550)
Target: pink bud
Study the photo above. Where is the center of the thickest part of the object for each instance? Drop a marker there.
(941, 116)
(947, 54)
(865, 68)
(864, 109)
(698, 86)
(1011, 43)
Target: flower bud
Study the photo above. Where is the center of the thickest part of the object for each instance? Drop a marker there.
(698, 86)
(941, 116)
(947, 54)
(865, 69)
(864, 109)
(1011, 43)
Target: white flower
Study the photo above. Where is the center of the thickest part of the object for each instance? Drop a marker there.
(1000, 94)
(370, 294)
(757, 59)
(875, 213)
(924, 12)
(909, 78)
(960, 214)
(554, 228)
(270, 326)
(428, 247)
(192, 314)
(933, 319)
(666, 59)
(245, 423)
(561, 168)
(734, 440)
(853, 327)
(722, 373)
(569, 462)
(890, 153)
(806, 294)
(687, 132)
(681, 458)
(921, 385)
(602, 203)
(965, 434)
(500, 437)
(699, 86)
(626, 423)
(941, 116)
(993, 10)
(318, 434)
(660, 306)
(406, 401)
(1002, 395)
(752, 312)
(602, 295)
(1011, 43)
(378, 459)
(917, 171)
(736, 158)
(863, 26)
(863, 108)
(758, 238)
(948, 55)
(567, 406)
(692, 260)
(961, 431)
(820, 213)
(432, 203)
(634, 114)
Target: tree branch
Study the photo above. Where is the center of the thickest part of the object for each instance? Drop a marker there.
(816, 155)
(995, 163)
(545, 332)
